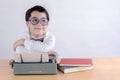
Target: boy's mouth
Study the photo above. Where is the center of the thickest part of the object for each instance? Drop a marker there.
(38, 28)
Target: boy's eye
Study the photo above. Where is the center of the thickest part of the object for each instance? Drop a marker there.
(43, 20)
(34, 20)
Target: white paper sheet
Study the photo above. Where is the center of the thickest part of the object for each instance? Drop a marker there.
(27, 57)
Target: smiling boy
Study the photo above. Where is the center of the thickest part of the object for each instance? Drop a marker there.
(37, 39)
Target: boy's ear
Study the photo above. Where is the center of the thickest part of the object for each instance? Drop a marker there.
(27, 23)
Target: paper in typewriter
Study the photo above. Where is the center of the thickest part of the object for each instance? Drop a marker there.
(27, 57)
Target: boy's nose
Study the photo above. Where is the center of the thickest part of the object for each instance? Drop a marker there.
(39, 25)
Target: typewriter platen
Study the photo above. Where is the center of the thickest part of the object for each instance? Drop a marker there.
(34, 64)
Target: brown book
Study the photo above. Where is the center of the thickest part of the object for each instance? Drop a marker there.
(76, 62)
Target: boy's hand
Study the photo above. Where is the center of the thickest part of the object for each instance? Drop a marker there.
(54, 53)
(18, 43)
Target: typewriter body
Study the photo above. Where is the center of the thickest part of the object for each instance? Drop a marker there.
(34, 64)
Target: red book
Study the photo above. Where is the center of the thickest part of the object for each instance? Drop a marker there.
(75, 62)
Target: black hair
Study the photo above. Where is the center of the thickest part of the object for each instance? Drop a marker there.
(36, 8)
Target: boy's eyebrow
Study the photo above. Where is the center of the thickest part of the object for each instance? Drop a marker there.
(43, 18)
(40, 18)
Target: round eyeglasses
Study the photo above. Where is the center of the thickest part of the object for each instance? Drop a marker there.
(35, 21)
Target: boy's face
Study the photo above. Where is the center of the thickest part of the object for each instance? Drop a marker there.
(37, 23)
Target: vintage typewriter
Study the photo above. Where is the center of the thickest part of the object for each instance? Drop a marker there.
(36, 63)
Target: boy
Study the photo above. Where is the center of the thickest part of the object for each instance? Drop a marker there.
(37, 39)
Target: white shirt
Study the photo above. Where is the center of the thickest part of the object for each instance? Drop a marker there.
(36, 46)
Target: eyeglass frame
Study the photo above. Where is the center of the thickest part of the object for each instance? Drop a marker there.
(39, 21)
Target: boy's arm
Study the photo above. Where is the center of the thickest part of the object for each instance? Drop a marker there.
(19, 42)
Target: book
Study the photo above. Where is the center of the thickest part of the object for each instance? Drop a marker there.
(71, 69)
(76, 62)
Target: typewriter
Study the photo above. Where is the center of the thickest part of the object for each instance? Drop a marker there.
(28, 63)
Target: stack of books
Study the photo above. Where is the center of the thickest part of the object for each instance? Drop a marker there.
(69, 65)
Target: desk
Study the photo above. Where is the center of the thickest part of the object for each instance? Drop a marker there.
(104, 69)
